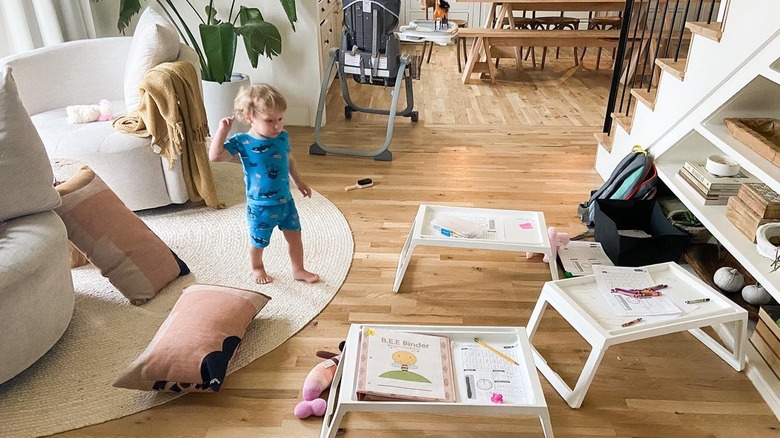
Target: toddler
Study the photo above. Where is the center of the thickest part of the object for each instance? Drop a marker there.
(265, 154)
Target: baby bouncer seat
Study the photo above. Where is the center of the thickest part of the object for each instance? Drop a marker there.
(370, 54)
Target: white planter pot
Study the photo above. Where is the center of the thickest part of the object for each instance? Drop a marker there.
(218, 100)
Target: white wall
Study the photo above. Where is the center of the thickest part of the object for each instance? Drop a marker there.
(5, 38)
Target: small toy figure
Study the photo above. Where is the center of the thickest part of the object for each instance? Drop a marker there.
(317, 381)
(497, 398)
(440, 12)
(556, 239)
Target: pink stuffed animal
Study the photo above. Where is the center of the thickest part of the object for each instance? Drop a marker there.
(556, 239)
(317, 381)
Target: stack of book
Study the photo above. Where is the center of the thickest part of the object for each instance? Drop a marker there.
(754, 205)
(766, 337)
(712, 189)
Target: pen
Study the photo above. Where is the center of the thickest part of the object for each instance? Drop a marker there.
(632, 322)
(700, 300)
(495, 351)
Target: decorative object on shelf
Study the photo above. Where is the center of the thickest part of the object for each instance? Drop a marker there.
(756, 294)
(776, 262)
(686, 221)
(728, 279)
(768, 240)
(721, 165)
(764, 201)
(760, 134)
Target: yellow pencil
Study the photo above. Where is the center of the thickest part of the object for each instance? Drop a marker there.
(495, 351)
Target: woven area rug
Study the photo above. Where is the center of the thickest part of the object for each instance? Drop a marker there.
(70, 387)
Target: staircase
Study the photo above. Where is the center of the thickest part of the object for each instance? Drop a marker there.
(731, 69)
(712, 56)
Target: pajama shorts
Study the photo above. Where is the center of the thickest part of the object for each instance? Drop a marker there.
(263, 218)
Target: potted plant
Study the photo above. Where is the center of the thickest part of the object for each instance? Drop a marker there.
(217, 45)
(218, 39)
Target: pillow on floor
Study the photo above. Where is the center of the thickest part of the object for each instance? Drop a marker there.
(114, 239)
(25, 173)
(192, 348)
(155, 41)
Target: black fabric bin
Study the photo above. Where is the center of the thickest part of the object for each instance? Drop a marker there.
(665, 244)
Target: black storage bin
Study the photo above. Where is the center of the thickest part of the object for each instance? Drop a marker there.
(665, 244)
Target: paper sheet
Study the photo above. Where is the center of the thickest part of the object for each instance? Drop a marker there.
(481, 373)
(578, 258)
(609, 277)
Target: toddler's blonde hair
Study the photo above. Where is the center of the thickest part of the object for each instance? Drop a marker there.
(255, 99)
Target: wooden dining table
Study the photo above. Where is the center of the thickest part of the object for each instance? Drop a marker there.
(495, 20)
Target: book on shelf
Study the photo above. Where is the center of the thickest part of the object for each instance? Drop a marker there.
(743, 218)
(401, 365)
(699, 171)
(764, 201)
(708, 199)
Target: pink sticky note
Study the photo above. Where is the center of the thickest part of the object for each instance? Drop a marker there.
(526, 226)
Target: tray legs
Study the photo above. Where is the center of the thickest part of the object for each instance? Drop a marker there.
(405, 257)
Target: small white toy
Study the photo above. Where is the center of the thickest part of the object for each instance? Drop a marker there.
(89, 113)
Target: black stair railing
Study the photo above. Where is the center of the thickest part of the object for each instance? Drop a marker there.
(653, 29)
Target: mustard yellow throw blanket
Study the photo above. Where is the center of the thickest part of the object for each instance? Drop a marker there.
(172, 113)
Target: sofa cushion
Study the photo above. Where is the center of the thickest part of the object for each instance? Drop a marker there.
(36, 290)
(192, 348)
(115, 240)
(25, 175)
(155, 41)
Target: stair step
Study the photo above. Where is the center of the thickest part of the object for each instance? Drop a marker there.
(604, 139)
(676, 69)
(713, 31)
(646, 97)
(624, 121)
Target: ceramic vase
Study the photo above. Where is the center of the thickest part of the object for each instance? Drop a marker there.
(218, 100)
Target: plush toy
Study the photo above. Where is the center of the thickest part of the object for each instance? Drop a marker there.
(556, 239)
(317, 381)
(89, 113)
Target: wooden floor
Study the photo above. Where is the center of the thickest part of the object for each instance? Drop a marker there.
(514, 145)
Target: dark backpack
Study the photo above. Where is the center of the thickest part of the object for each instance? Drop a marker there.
(635, 177)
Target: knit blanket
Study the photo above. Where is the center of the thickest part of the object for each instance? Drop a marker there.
(172, 113)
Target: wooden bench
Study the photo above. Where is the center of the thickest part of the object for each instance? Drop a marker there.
(492, 41)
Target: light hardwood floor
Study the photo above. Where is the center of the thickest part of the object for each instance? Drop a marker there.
(515, 145)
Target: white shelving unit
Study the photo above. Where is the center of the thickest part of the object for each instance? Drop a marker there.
(752, 90)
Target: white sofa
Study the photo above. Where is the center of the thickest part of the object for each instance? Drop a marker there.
(84, 72)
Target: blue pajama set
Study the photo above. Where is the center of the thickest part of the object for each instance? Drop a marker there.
(269, 202)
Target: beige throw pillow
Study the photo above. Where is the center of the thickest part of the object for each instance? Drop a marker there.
(155, 41)
(193, 347)
(25, 173)
(115, 240)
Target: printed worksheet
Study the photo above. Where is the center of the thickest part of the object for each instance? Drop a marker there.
(578, 258)
(482, 373)
(610, 277)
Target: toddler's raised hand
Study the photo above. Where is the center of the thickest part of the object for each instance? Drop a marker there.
(226, 122)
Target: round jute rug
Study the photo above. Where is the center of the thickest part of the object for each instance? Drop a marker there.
(70, 387)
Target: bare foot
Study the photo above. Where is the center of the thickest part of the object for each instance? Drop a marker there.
(260, 276)
(304, 275)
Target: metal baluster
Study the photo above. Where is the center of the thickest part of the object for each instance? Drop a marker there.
(712, 9)
(698, 10)
(658, 45)
(633, 43)
(682, 31)
(642, 51)
(671, 28)
(616, 73)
